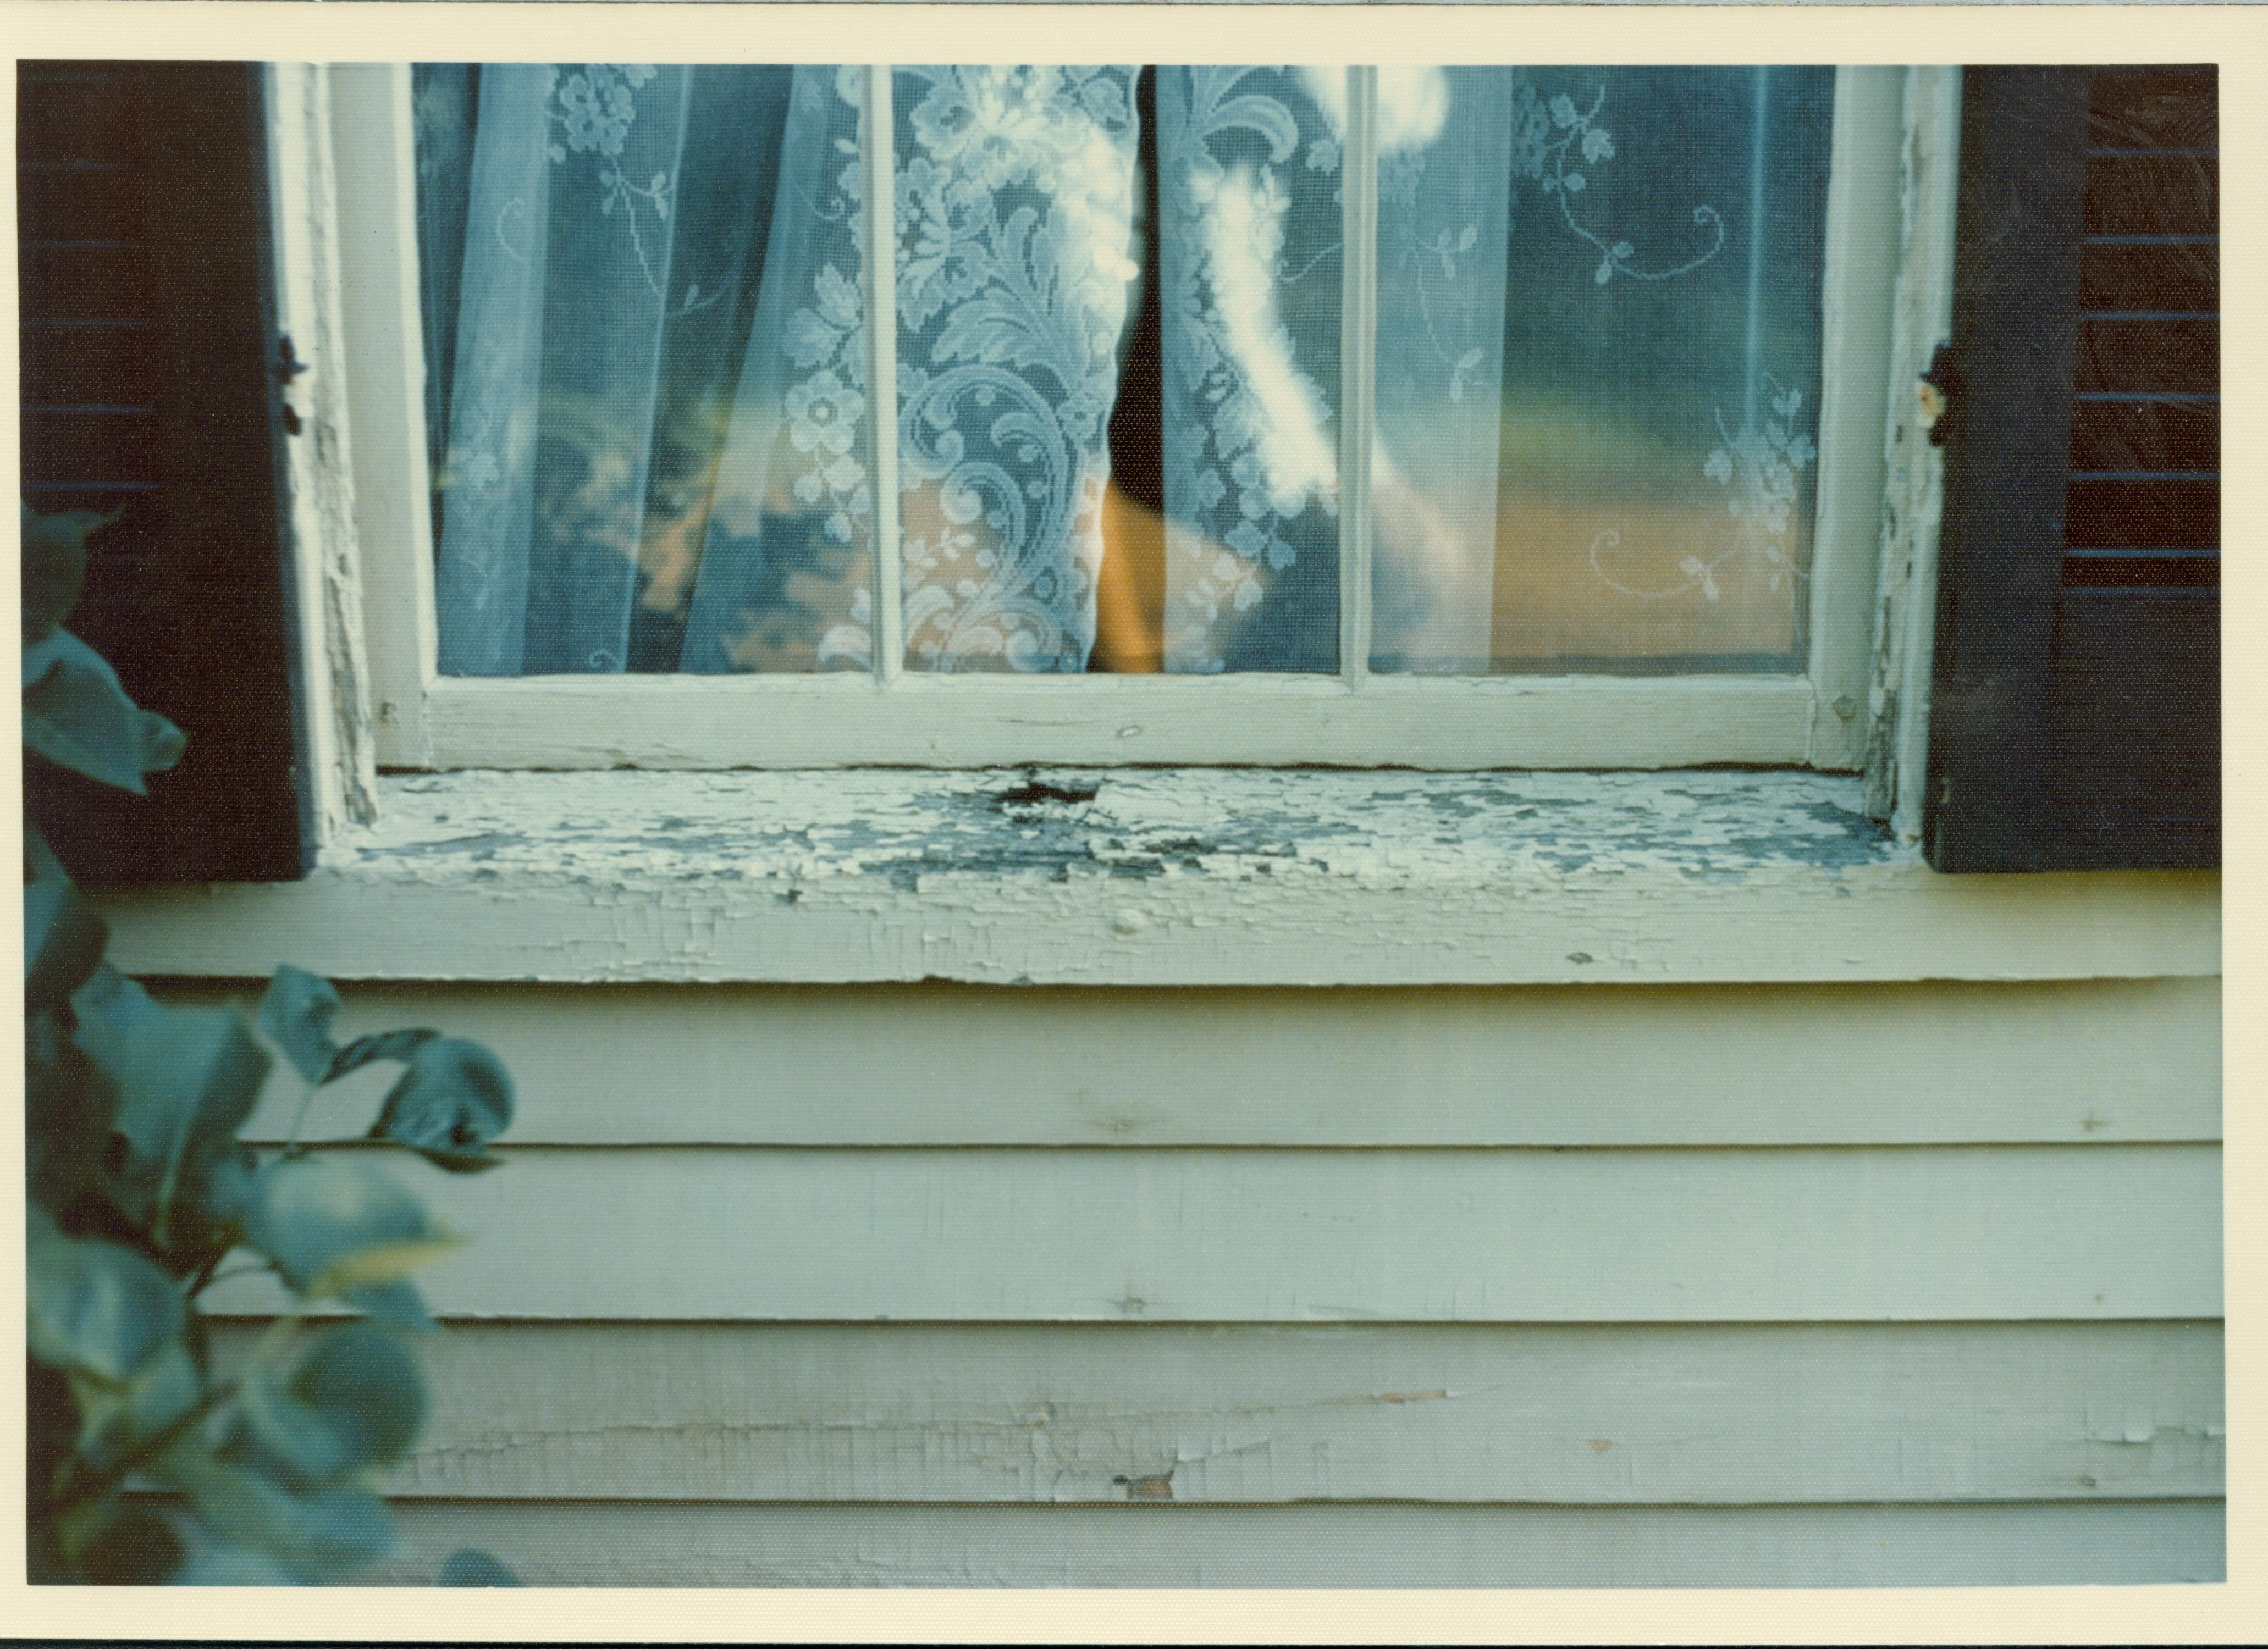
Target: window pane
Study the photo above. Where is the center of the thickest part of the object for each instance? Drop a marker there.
(1659, 348)
(1118, 294)
(1252, 271)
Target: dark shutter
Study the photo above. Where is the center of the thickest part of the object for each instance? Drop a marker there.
(2075, 715)
(147, 341)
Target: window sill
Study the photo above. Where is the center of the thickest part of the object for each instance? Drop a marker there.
(1187, 876)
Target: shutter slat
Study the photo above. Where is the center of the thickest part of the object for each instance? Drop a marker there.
(2084, 724)
(150, 398)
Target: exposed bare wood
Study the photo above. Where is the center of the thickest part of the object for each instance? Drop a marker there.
(333, 687)
(1905, 600)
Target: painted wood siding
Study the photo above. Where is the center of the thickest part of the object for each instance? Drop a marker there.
(944, 1285)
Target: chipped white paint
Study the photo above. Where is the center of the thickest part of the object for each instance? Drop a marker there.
(1322, 1546)
(1627, 1415)
(1798, 1234)
(319, 515)
(1906, 599)
(375, 161)
(1855, 306)
(1179, 877)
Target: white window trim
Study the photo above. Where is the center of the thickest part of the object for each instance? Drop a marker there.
(1188, 876)
(422, 720)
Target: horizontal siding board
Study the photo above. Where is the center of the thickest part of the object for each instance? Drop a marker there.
(1750, 1415)
(1795, 1234)
(675, 1545)
(2098, 1060)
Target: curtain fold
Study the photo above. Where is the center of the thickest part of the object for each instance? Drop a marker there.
(652, 427)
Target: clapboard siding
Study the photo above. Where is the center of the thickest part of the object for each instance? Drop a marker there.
(659, 1545)
(1625, 1415)
(1794, 1234)
(2055, 1060)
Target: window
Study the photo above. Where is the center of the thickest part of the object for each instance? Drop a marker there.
(1452, 417)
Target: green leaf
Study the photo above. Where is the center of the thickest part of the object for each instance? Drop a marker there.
(339, 1227)
(113, 1417)
(63, 941)
(54, 566)
(469, 1565)
(455, 1097)
(366, 1050)
(97, 1308)
(354, 1402)
(296, 1014)
(186, 1078)
(311, 1536)
(77, 716)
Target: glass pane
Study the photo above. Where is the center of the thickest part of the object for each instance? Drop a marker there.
(1118, 294)
(1252, 272)
(1015, 204)
(1659, 391)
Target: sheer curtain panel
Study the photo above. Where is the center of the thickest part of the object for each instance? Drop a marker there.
(654, 425)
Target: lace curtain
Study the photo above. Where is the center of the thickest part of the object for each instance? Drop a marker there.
(651, 413)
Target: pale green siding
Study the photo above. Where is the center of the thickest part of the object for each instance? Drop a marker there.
(1578, 1285)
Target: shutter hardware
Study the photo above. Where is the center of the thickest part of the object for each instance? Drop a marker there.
(1939, 388)
(288, 366)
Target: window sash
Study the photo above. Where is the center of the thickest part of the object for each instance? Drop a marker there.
(424, 719)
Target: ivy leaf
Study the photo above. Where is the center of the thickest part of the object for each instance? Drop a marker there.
(77, 716)
(308, 1536)
(354, 1401)
(63, 942)
(366, 1050)
(115, 1414)
(469, 1565)
(97, 1308)
(1597, 145)
(455, 1097)
(54, 566)
(1562, 111)
(1574, 183)
(296, 1014)
(342, 1228)
(186, 1078)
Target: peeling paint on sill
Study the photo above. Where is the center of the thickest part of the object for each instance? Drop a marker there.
(1157, 876)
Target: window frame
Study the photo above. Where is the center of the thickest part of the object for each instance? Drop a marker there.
(354, 138)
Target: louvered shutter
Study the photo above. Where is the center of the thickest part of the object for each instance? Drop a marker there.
(147, 340)
(2076, 711)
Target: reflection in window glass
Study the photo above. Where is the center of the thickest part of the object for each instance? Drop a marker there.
(1118, 297)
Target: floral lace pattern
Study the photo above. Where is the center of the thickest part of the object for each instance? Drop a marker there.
(1014, 214)
(1250, 454)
